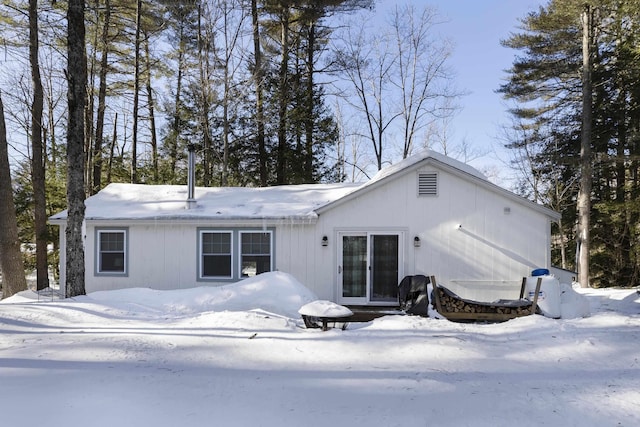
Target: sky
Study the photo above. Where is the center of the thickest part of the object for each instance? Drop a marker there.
(480, 61)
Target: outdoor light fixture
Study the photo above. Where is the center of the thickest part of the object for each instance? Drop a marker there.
(325, 241)
(416, 242)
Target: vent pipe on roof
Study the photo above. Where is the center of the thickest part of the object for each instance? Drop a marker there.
(191, 179)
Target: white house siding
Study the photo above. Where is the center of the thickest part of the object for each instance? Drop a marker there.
(491, 246)
(160, 256)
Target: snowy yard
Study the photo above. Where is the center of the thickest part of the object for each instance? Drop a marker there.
(240, 355)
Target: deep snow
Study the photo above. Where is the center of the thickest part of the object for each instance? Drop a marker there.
(240, 355)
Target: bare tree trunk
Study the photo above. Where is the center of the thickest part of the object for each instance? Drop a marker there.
(89, 134)
(152, 117)
(102, 94)
(38, 161)
(112, 149)
(283, 90)
(584, 194)
(309, 119)
(177, 118)
(257, 76)
(136, 96)
(77, 83)
(204, 47)
(11, 261)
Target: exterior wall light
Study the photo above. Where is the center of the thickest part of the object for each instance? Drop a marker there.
(325, 241)
(416, 242)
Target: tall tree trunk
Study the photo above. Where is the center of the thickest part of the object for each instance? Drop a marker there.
(77, 83)
(152, 117)
(309, 119)
(584, 194)
(283, 98)
(257, 76)
(11, 261)
(102, 95)
(136, 96)
(112, 148)
(203, 59)
(177, 117)
(37, 161)
(89, 134)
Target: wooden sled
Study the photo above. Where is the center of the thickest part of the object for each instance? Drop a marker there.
(456, 308)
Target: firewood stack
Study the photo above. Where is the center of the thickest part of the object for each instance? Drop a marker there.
(450, 304)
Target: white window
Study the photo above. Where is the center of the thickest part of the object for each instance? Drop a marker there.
(111, 251)
(216, 254)
(234, 254)
(428, 184)
(255, 252)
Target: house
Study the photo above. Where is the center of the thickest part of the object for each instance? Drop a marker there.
(349, 243)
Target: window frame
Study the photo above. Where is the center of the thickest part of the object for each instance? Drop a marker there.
(201, 254)
(241, 254)
(99, 231)
(236, 251)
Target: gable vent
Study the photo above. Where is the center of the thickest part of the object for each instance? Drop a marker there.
(428, 184)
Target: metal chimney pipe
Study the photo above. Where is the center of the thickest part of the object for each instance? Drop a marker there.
(191, 177)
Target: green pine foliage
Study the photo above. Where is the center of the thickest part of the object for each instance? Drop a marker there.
(544, 86)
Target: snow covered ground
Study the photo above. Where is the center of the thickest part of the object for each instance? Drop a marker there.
(240, 355)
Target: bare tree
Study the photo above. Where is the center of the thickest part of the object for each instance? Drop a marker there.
(136, 94)
(11, 262)
(76, 96)
(584, 195)
(258, 76)
(96, 184)
(37, 159)
(365, 59)
(421, 73)
(399, 76)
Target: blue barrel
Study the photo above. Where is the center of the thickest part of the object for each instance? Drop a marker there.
(540, 272)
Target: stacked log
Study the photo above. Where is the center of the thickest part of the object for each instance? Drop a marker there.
(451, 304)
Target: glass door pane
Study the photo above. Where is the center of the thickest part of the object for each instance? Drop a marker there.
(354, 266)
(384, 271)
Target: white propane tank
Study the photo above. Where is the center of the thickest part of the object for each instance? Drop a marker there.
(549, 295)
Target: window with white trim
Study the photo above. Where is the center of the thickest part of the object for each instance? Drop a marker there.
(255, 252)
(111, 251)
(428, 184)
(233, 254)
(216, 254)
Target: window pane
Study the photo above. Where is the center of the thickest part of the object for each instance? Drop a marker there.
(256, 243)
(354, 261)
(111, 255)
(252, 265)
(216, 266)
(216, 243)
(256, 253)
(111, 261)
(112, 241)
(384, 284)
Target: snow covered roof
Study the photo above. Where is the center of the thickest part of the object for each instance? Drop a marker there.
(157, 202)
(286, 202)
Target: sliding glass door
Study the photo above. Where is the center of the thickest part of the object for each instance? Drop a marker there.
(369, 267)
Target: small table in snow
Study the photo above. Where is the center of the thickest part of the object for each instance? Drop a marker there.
(318, 314)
